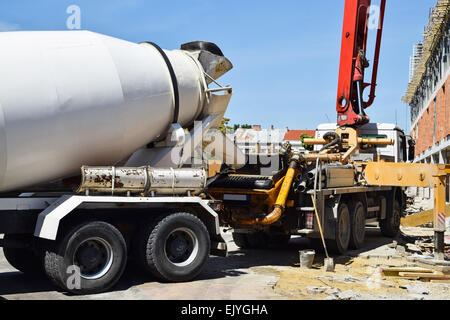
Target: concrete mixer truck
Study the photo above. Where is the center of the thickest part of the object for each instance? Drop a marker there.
(135, 118)
(126, 114)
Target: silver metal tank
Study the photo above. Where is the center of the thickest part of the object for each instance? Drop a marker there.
(143, 180)
(72, 98)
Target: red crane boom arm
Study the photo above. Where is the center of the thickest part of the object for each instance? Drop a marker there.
(350, 104)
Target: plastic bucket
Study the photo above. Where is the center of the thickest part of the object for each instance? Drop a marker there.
(307, 258)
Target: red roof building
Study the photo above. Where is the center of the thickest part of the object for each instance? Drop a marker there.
(293, 135)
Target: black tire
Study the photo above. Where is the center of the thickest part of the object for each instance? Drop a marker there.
(358, 225)
(174, 248)
(240, 239)
(342, 234)
(23, 259)
(390, 227)
(97, 248)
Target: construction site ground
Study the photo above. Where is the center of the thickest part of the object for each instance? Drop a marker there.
(266, 274)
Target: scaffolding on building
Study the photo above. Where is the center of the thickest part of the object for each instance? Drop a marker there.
(439, 17)
(415, 59)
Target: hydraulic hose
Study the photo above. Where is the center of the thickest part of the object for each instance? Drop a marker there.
(329, 135)
(280, 203)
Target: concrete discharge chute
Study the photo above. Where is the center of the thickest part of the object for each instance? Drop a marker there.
(73, 98)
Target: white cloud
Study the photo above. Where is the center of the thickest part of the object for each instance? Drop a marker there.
(5, 26)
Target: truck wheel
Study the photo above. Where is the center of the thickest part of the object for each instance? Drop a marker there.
(358, 225)
(391, 225)
(23, 259)
(174, 248)
(342, 235)
(240, 239)
(89, 259)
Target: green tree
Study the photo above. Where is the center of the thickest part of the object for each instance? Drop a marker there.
(306, 146)
(224, 127)
(242, 126)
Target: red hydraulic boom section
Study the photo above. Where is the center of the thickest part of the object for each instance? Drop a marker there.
(350, 104)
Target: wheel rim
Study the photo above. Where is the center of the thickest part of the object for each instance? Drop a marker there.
(94, 257)
(181, 247)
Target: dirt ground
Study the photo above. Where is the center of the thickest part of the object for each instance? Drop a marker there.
(355, 279)
(360, 276)
(257, 275)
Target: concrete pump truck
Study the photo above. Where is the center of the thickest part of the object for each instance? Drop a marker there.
(355, 176)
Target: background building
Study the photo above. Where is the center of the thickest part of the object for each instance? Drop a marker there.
(293, 137)
(428, 93)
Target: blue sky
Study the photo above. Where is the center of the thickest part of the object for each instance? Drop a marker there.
(285, 53)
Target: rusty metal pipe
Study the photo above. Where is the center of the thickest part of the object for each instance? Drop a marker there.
(280, 203)
(374, 141)
(323, 156)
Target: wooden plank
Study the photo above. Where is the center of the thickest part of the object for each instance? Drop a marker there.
(408, 269)
(394, 272)
(426, 245)
(424, 275)
(422, 218)
(440, 269)
(440, 281)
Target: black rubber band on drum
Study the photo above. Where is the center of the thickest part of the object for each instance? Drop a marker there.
(174, 80)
